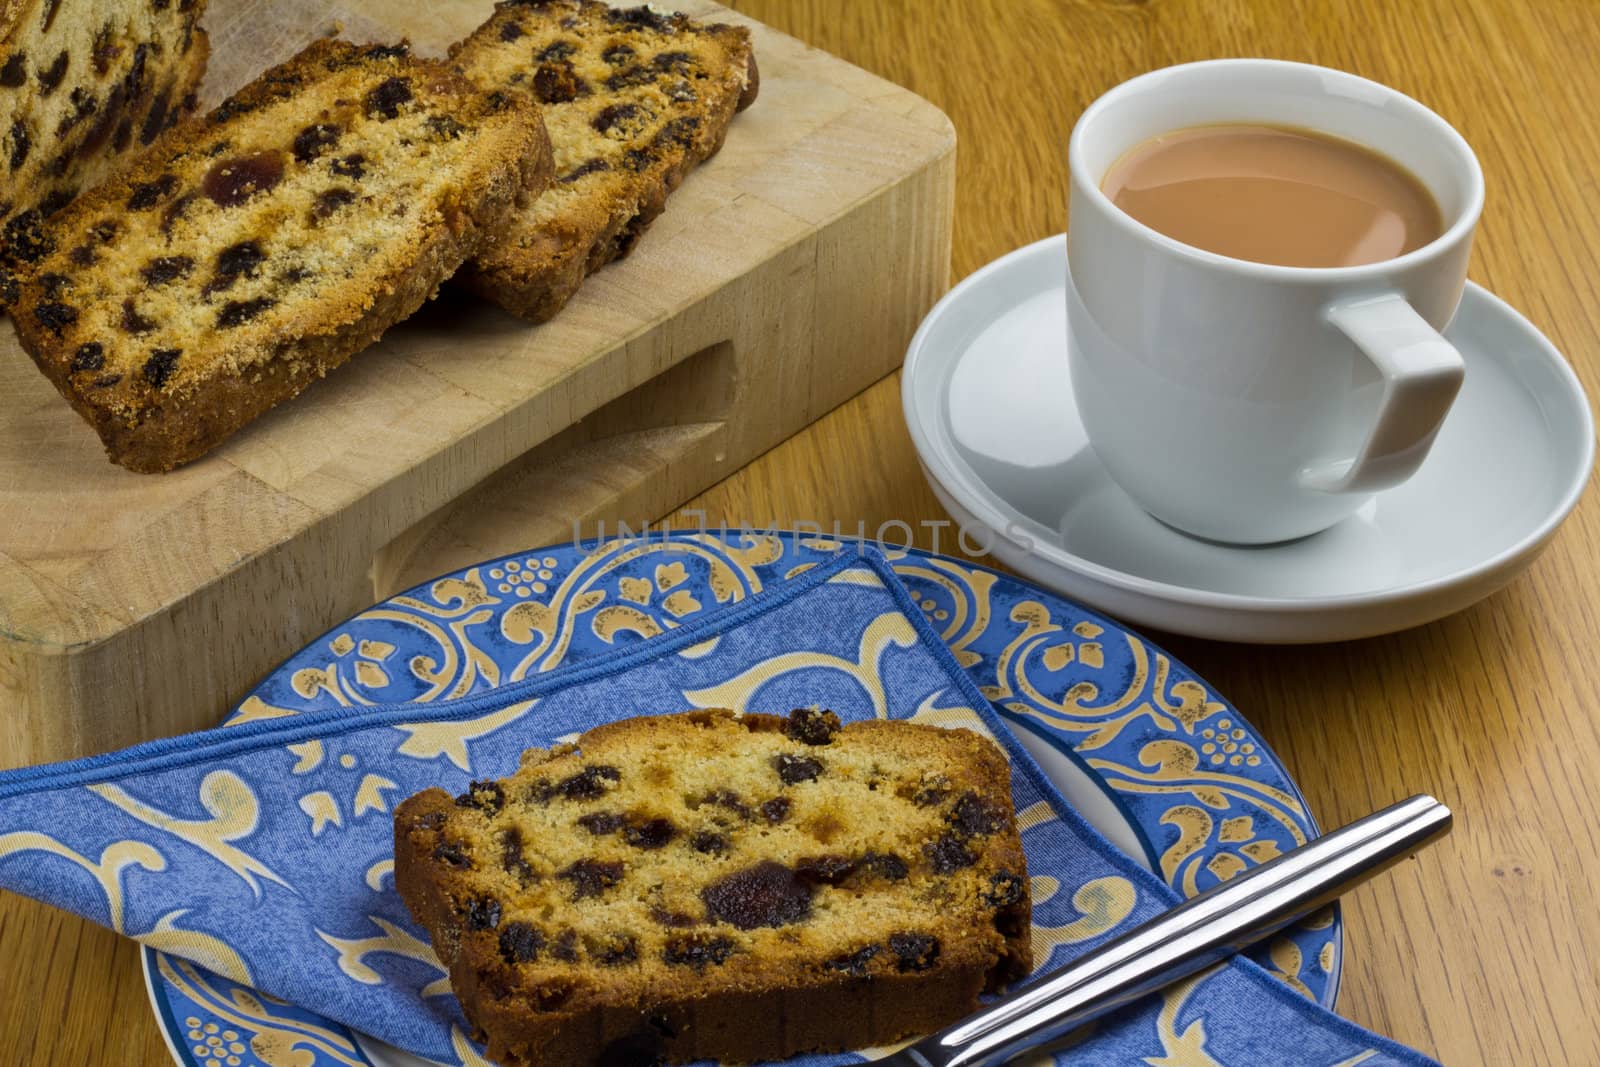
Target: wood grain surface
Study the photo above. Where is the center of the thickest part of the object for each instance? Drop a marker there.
(1485, 950)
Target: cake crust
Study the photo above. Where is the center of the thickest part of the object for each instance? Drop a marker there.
(706, 885)
(634, 100)
(249, 252)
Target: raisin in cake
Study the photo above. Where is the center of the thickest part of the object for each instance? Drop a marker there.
(83, 84)
(703, 885)
(633, 100)
(250, 251)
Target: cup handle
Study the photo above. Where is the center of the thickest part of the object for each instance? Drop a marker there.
(1422, 373)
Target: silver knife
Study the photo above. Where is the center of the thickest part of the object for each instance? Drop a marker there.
(1196, 934)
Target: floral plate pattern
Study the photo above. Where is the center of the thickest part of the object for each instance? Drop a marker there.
(1204, 796)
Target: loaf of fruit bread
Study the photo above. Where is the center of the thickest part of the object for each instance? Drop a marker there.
(249, 251)
(634, 99)
(82, 85)
(703, 885)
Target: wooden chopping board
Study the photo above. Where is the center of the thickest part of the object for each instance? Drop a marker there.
(786, 274)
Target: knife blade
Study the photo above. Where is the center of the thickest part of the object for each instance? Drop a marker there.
(1194, 935)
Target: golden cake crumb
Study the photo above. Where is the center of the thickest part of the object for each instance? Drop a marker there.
(82, 87)
(249, 252)
(634, 100)
(705, 885)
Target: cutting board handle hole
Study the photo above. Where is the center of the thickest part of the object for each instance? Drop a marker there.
(624, 462)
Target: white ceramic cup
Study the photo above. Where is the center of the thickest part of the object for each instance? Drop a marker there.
(1245, 402)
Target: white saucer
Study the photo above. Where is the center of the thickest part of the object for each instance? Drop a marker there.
(989, 403)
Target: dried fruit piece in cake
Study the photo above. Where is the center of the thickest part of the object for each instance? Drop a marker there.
(81, 86)
(633, 99)
(671, 886)
(249, 252)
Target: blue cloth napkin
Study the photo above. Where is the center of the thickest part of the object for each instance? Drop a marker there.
(262, 851)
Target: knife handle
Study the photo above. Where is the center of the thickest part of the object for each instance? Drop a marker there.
(1196, 934)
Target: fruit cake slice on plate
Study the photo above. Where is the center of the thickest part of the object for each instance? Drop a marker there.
(251, 251)
(735, 888)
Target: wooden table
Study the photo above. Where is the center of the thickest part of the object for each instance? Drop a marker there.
(1486, 950)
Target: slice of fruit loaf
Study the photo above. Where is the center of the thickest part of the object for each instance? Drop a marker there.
(250, 251)
(81, 85)
(703, 885)
(633, 100)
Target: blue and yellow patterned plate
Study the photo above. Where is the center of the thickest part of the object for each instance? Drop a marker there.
(1143, 748)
